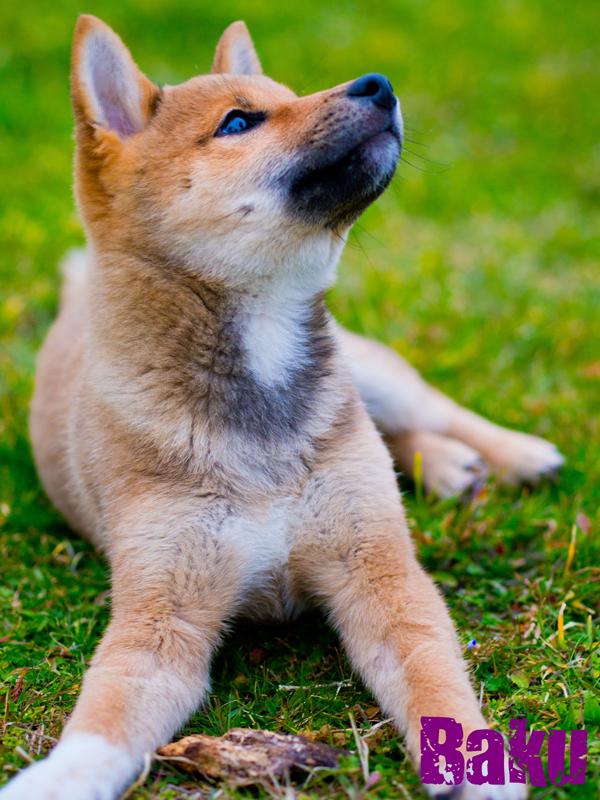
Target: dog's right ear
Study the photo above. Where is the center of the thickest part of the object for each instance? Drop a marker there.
(112, 98)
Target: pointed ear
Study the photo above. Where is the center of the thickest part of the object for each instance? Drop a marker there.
(235, 52)
(108, 90)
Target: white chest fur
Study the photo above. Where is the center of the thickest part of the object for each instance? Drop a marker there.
(263, 543)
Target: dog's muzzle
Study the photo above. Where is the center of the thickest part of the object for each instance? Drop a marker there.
(333, 182)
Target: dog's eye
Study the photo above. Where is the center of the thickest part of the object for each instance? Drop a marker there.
(237, 121)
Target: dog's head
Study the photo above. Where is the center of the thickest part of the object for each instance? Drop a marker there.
(229, 174)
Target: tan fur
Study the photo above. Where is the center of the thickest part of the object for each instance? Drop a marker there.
(235, 53)
(457, 446)
(204, 512)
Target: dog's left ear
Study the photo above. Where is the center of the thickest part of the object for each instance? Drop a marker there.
(235, 52)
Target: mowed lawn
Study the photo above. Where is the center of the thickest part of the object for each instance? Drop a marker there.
(481, 264)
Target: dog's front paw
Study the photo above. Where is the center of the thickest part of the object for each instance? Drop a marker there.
(472, 791)
(36, 782)
(83, 767)
(521, 458)
(469, 791)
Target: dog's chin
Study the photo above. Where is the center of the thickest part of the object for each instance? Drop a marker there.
(335, 193)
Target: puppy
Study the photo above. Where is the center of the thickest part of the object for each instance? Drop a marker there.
(197, 413)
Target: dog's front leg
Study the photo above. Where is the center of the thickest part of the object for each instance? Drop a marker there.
(394, 626)
(150, 671)
(357, 560)
(399, 637)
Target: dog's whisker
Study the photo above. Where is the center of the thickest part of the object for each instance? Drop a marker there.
(431, 161)
(415, 142)
(418, 168)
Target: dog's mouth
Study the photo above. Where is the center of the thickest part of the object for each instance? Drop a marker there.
(333, 186)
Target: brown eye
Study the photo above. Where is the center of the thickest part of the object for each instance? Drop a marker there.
(238, 121)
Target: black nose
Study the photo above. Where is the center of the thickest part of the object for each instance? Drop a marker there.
(374, 87)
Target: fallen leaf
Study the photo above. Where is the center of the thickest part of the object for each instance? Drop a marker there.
(244, 757)
(60, 651)
(520, 678)
(17, 689)
(322, 735)
(339, 738)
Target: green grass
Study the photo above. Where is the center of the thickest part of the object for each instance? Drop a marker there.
(481, 266)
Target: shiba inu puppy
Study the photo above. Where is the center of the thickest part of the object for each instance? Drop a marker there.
(198, 415)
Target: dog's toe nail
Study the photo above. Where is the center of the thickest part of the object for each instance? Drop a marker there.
(478, 465)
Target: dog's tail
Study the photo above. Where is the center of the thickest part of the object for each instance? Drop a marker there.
(73, 267)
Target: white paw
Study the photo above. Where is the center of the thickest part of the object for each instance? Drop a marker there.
(82, 767)
(518, 457)
(469, 791)
(472, 791)
(450, 467)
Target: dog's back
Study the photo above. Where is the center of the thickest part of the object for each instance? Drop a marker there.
(58, 393)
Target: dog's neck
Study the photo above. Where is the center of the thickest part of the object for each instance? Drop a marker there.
(203, 358)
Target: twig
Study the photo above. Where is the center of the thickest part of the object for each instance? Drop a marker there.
(403, 789)
(288, 687)
(376, 727)
(24, 754)
(363, 749)
(179, 759)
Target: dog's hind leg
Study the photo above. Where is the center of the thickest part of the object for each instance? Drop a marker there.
(449, 467)
(416, 417)
(74, 269)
